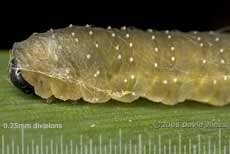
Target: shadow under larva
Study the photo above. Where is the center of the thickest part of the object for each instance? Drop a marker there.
(99, 64)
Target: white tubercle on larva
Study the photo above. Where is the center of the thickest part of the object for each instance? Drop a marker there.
(131, 59)
(88, 56)
(117, 47)
(96, 45)
(173, 58)
(217, 39)
(214, 81)
(130, 44)
(76, 40)
(204, 61)
(167, 32)
(119, 56)
(149, 30)
(222, 61)
(132, 76)
(165, 82)
(175, 80)
(90, 32)
(123, 28)
(221, 50)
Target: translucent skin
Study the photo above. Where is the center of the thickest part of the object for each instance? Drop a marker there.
(99, 64)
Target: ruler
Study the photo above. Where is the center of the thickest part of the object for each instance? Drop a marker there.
(144, 145)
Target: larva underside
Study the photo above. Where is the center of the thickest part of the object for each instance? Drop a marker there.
(98, 64)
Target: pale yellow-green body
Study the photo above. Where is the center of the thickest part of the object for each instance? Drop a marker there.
(101, 64)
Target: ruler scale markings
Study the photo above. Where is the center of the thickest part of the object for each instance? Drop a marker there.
(32, 147)
(144, 149)
(120, 142)
(37, 149)
(76, 149)
(12, 145)
(209, 145)
(220, 147)
(47, 149)
(71, 146)
(130, 146)
(105, 149)
(164, 149)
(139, 144)
(204, 149)
(135, 149)
(27, 149)
(91, 146)
(7, 149)
(66, 149)
(214, 149)
(199, 144)
(56, 148)
(85, 148)
(170, 150)
(115, 149)
(150, 147)
(100, 144)
(190, 146)
(95, 150)
(174, 149)
(41, 144)
(125, 149)
(18, 149)
(22, 140)
(179, 144)
(154, 149)
(194, 149)
(185, 149)
(225, 149)
(110, 146)
(61, 143)
(3, 144)
(81, 144)
(51, 147)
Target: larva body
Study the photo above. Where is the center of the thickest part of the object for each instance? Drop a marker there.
(99, 64)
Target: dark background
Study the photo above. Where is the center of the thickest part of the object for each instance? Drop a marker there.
(19, 21)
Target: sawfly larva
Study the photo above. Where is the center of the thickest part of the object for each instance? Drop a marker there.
(99, 64)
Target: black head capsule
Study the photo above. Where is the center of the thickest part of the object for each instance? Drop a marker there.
(17, 78)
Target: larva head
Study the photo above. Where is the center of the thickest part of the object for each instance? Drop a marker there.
(17, 79)
(24, 57)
